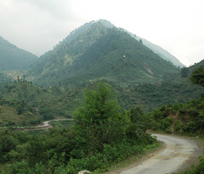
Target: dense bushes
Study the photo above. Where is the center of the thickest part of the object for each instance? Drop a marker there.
(186, 118)
(96, 161)
(101, 136)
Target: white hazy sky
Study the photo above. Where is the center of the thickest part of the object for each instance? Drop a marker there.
(38, 25)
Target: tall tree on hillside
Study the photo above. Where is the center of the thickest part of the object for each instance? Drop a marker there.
(197, 76)
(100, 119)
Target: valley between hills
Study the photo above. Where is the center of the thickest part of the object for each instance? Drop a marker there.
(115, 86)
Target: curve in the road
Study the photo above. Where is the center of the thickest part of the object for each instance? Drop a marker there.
(177, 152)
(46, 123)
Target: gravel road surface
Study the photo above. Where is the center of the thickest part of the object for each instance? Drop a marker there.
(177, 155)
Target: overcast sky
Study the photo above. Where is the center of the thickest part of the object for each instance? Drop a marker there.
(38, 25)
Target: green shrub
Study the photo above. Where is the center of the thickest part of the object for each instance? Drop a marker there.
(166, 123)
(193, 113)
(177, 126)
(190, 127)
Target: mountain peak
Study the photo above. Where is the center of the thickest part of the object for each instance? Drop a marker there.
(96, 51)
(106, 23)
(78, 31)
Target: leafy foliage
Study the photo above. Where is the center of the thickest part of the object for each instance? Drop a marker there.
(100, 137)
(100, 120)
(184, 72)
(62, 100)
(4, 80)
(197, 76)
(188, 118)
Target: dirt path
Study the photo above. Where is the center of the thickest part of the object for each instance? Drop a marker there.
(44, 125)
(178, 154)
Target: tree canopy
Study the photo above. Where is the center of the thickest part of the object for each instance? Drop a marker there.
(100, 119)
(197, 76)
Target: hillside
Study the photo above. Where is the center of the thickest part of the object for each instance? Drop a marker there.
(107, 81)
(184, 73)
(4, 80)
(196, 65)
(179, 118)
(157, 49)
(24, 103)
(62, 100)
(187, 118)
(161, 52)
(13, 58)
(96, 52)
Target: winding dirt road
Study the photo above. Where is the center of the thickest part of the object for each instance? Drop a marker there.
(178, 154)
(44, 125)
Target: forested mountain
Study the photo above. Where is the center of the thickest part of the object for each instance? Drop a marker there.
(99, 51)
(157, 49)
(196, 65)
(184, 74)
(114, 80)
(161, 52)
(13, 58)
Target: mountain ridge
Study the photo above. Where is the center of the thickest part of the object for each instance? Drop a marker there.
(106, 48)
(14, 58)
(158, 50)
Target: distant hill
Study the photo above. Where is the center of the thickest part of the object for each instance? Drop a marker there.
(163, 53)
(196, 65)
(158, 50)
(14, 58)
(184, 73)
(97, 51)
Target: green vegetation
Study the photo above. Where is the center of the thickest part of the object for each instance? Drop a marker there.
(24, 104)
(62, 123)
(197, 76)
(17, 114)
(182, 118)
(199, 169)
(108, 126)
(4, 80)
(187, 119)
(101, 136)
(100, 53)
(49, 103)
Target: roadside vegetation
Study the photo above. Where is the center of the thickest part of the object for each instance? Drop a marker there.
(101, 136)
(102, 133)
(184, 119)
(111, 85)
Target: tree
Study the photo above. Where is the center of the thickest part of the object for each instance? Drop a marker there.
(139, 123)
(99, 120)
(197, 76)
(184, 72)
(36, 151)
(141, 41)
(138, 118)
